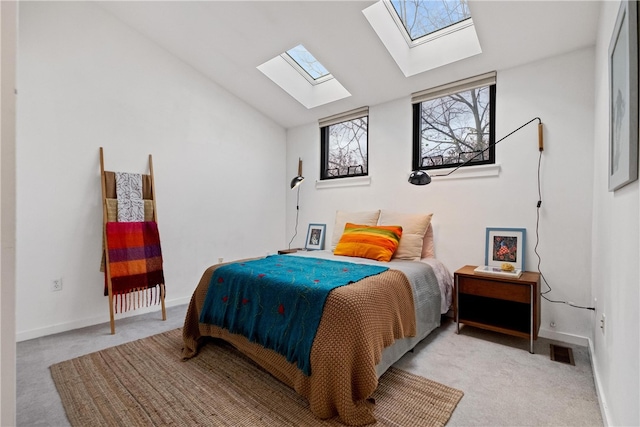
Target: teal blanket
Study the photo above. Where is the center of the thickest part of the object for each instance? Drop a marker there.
(278, 301)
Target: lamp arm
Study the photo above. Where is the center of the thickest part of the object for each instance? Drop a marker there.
(540, 146)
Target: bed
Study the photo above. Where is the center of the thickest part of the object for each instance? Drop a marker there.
(365, 327)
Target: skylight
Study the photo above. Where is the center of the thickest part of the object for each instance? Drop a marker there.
(303, 61)
(421, 17)
(303, 77)
(450, 33)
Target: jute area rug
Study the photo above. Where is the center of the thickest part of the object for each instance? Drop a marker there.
(144, 383)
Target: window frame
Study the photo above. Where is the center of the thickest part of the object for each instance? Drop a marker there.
(416, 158)
(432, 35)
(300, 68)
(325, 125)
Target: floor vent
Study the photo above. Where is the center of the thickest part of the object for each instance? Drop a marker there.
(562, 354)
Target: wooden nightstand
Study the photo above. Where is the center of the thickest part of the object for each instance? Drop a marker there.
(502, 304)
(289, 251)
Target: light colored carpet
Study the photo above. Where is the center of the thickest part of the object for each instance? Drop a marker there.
(144, 383)
(504, 385)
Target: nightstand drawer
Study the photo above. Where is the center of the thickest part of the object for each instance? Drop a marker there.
(494, 289)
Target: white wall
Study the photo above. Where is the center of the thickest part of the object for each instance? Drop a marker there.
(87, 80)
(8, 37)
(558, 90)
(615, 254)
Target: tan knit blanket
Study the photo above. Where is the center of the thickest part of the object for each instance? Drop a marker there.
(358, 322)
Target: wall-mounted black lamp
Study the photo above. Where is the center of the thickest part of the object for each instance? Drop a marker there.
(420, 177)
(298, 179)
(295, 182)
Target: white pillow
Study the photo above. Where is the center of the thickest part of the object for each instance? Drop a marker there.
(428, 249)
(369, 218)
(414, 227)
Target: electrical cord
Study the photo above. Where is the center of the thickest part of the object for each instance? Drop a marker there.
(297, 213)
(538, 205)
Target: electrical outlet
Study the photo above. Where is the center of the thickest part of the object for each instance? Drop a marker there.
(56, 285)
(602, 322)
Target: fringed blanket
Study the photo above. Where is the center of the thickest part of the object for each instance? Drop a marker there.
(135, 263)
(277, 301)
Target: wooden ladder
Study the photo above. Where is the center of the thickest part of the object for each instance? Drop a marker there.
(104, 231)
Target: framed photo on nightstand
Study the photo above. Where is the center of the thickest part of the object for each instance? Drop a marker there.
(315, 237)
(505, 245)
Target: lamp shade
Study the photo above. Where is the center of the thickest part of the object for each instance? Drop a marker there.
(296, 181)
(419, 177)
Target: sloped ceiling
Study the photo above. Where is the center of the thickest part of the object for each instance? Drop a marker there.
(227, 40)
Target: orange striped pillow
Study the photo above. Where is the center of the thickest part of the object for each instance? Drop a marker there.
(373, 242)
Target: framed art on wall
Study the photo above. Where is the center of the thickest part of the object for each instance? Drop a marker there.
(623, 98)
(505, 245)
(315, 237)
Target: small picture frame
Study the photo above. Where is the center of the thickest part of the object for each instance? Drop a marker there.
(315, 237)
(505, 245)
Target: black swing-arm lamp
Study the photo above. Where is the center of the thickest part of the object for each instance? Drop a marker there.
(421, 177)
(295, 182)
(298, 179)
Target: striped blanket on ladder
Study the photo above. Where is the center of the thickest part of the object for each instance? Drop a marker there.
(135, 264)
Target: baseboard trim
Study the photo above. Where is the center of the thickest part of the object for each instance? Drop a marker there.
(564, 337)
(604, 409)
(83, 323)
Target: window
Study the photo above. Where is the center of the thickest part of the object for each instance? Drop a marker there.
(302, 76)
(303, 61)
(422, 35)
(455, 123)
(420, 18)
(344, 145)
